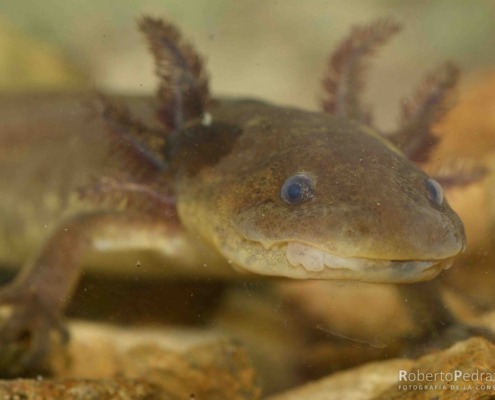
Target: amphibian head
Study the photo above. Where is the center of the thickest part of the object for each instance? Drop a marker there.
(311, 195)
(284, 192)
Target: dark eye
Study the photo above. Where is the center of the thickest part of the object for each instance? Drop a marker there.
(435, 191)
(297, 188)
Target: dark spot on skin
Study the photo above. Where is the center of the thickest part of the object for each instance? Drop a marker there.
(202, 146)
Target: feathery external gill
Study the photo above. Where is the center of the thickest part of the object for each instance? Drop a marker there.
(347, 65)
(458, 172)
(429, 104)
(183, 91)
(130, 138)
(183, 95)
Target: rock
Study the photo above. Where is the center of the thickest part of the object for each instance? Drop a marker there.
(464, 371)
(78, 389)
(360, 383)
(143, 364)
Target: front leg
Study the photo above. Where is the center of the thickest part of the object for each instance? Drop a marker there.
(38, 295)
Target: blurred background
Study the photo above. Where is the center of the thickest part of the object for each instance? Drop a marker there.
(277, 50)
(271, 49)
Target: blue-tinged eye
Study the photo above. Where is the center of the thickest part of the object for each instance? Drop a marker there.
(297, 188)
(435, 191)
(294, 191)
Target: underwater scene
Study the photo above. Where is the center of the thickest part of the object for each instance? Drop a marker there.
(247, 200)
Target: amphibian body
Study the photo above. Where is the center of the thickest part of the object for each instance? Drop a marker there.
(221, 184)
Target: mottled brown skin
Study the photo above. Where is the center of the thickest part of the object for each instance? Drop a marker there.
(208, 201)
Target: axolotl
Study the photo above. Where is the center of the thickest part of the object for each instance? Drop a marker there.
(212, 185)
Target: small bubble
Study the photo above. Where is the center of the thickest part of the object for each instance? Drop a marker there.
(138, 263)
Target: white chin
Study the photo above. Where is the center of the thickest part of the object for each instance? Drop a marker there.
(314, 260)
